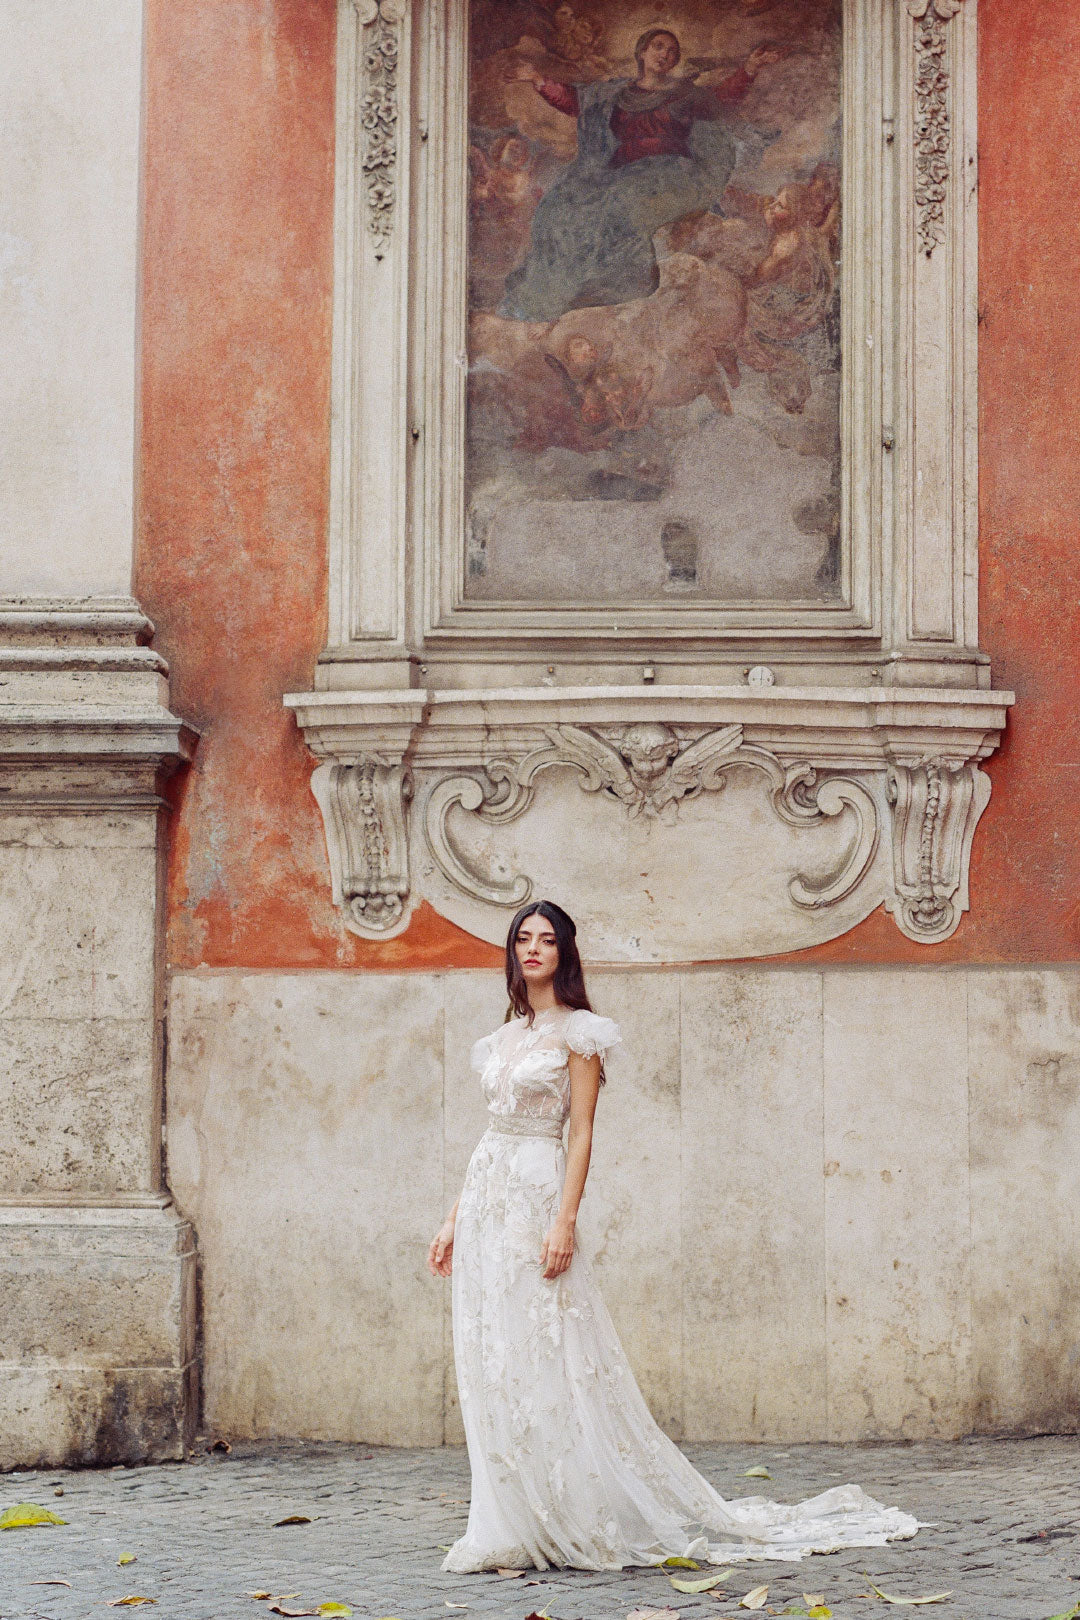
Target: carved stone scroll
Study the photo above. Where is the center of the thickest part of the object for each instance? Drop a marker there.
(936, 806)
(364, 811)
(933, 134)
(650, 770)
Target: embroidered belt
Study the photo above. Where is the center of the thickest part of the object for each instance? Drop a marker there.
(523, 1125)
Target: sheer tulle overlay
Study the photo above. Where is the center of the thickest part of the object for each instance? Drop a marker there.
(568, 1466)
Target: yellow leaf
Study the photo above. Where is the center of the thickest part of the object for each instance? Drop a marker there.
(335, 1610)
(908, 1602)
(705, 1585)
(129, 1602)
(25, 1515)
(754, 1599)
(819, 1612)
(680, 1563)
(125, 1558)
(292, 1518)
(757, 1473)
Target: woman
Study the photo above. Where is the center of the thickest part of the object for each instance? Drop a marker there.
(648, 153)
(568, 1467)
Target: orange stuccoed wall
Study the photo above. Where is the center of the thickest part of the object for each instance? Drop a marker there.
(237, 266)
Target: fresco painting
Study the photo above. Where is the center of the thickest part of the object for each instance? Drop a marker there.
(654, 302)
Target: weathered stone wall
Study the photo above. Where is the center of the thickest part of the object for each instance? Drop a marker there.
(832, 1204)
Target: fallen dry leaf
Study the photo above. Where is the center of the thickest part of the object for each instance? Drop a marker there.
(334, 1611)
(261, 1596)
(125, 1558)
(704, 1585)
(279, 1608)
(27, 1515)
(820, 1611)
(131, 1602)
(450, 1605)
(680, 1563)
(292, 1518)
(510, 1574)
(813, 1599)
(757, 1472)
(49, 1583)
(754, 1599)
(908, 1602)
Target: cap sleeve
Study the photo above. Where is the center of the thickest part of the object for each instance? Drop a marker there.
(481, 1051)
(590, 1035)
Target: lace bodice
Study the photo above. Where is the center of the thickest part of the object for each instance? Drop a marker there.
(524, 1069)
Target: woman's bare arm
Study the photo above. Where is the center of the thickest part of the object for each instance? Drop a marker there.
(558, 1247)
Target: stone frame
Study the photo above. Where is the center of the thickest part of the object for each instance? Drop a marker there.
(909, 394)
(404, 648)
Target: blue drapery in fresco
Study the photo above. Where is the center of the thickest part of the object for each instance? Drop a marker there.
(592, 231)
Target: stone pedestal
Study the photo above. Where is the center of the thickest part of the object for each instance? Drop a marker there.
(97, 1281)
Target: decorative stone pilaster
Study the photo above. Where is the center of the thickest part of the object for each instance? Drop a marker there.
(97, 1269)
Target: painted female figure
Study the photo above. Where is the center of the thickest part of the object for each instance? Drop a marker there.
(650, 150)
(568, 1466)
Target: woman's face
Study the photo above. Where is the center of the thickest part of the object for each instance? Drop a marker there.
(661, 54)
(537, 951)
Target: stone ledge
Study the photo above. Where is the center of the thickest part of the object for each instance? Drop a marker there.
(877, 789)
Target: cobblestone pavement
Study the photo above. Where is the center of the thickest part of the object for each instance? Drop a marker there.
(1003, 1536)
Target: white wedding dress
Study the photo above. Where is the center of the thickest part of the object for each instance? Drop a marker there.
(568, 1466)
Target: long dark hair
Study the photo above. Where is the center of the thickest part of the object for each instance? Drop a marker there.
(569, 981)
(569, 984)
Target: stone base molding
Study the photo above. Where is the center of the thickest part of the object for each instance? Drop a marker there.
(96, 1267)
(787, 814)
(98, 1335)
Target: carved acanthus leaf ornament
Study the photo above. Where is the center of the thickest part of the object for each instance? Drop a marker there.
(933, 133)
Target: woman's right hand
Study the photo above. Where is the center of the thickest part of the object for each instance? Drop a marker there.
(441, 1253)
(522, 71)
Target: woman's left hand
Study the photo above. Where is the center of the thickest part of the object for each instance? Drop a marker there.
(557, 1250)
(764, 56)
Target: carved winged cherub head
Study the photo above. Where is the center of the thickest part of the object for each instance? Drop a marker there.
(648, 751)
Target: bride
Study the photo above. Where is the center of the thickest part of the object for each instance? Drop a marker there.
(568, 1466)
